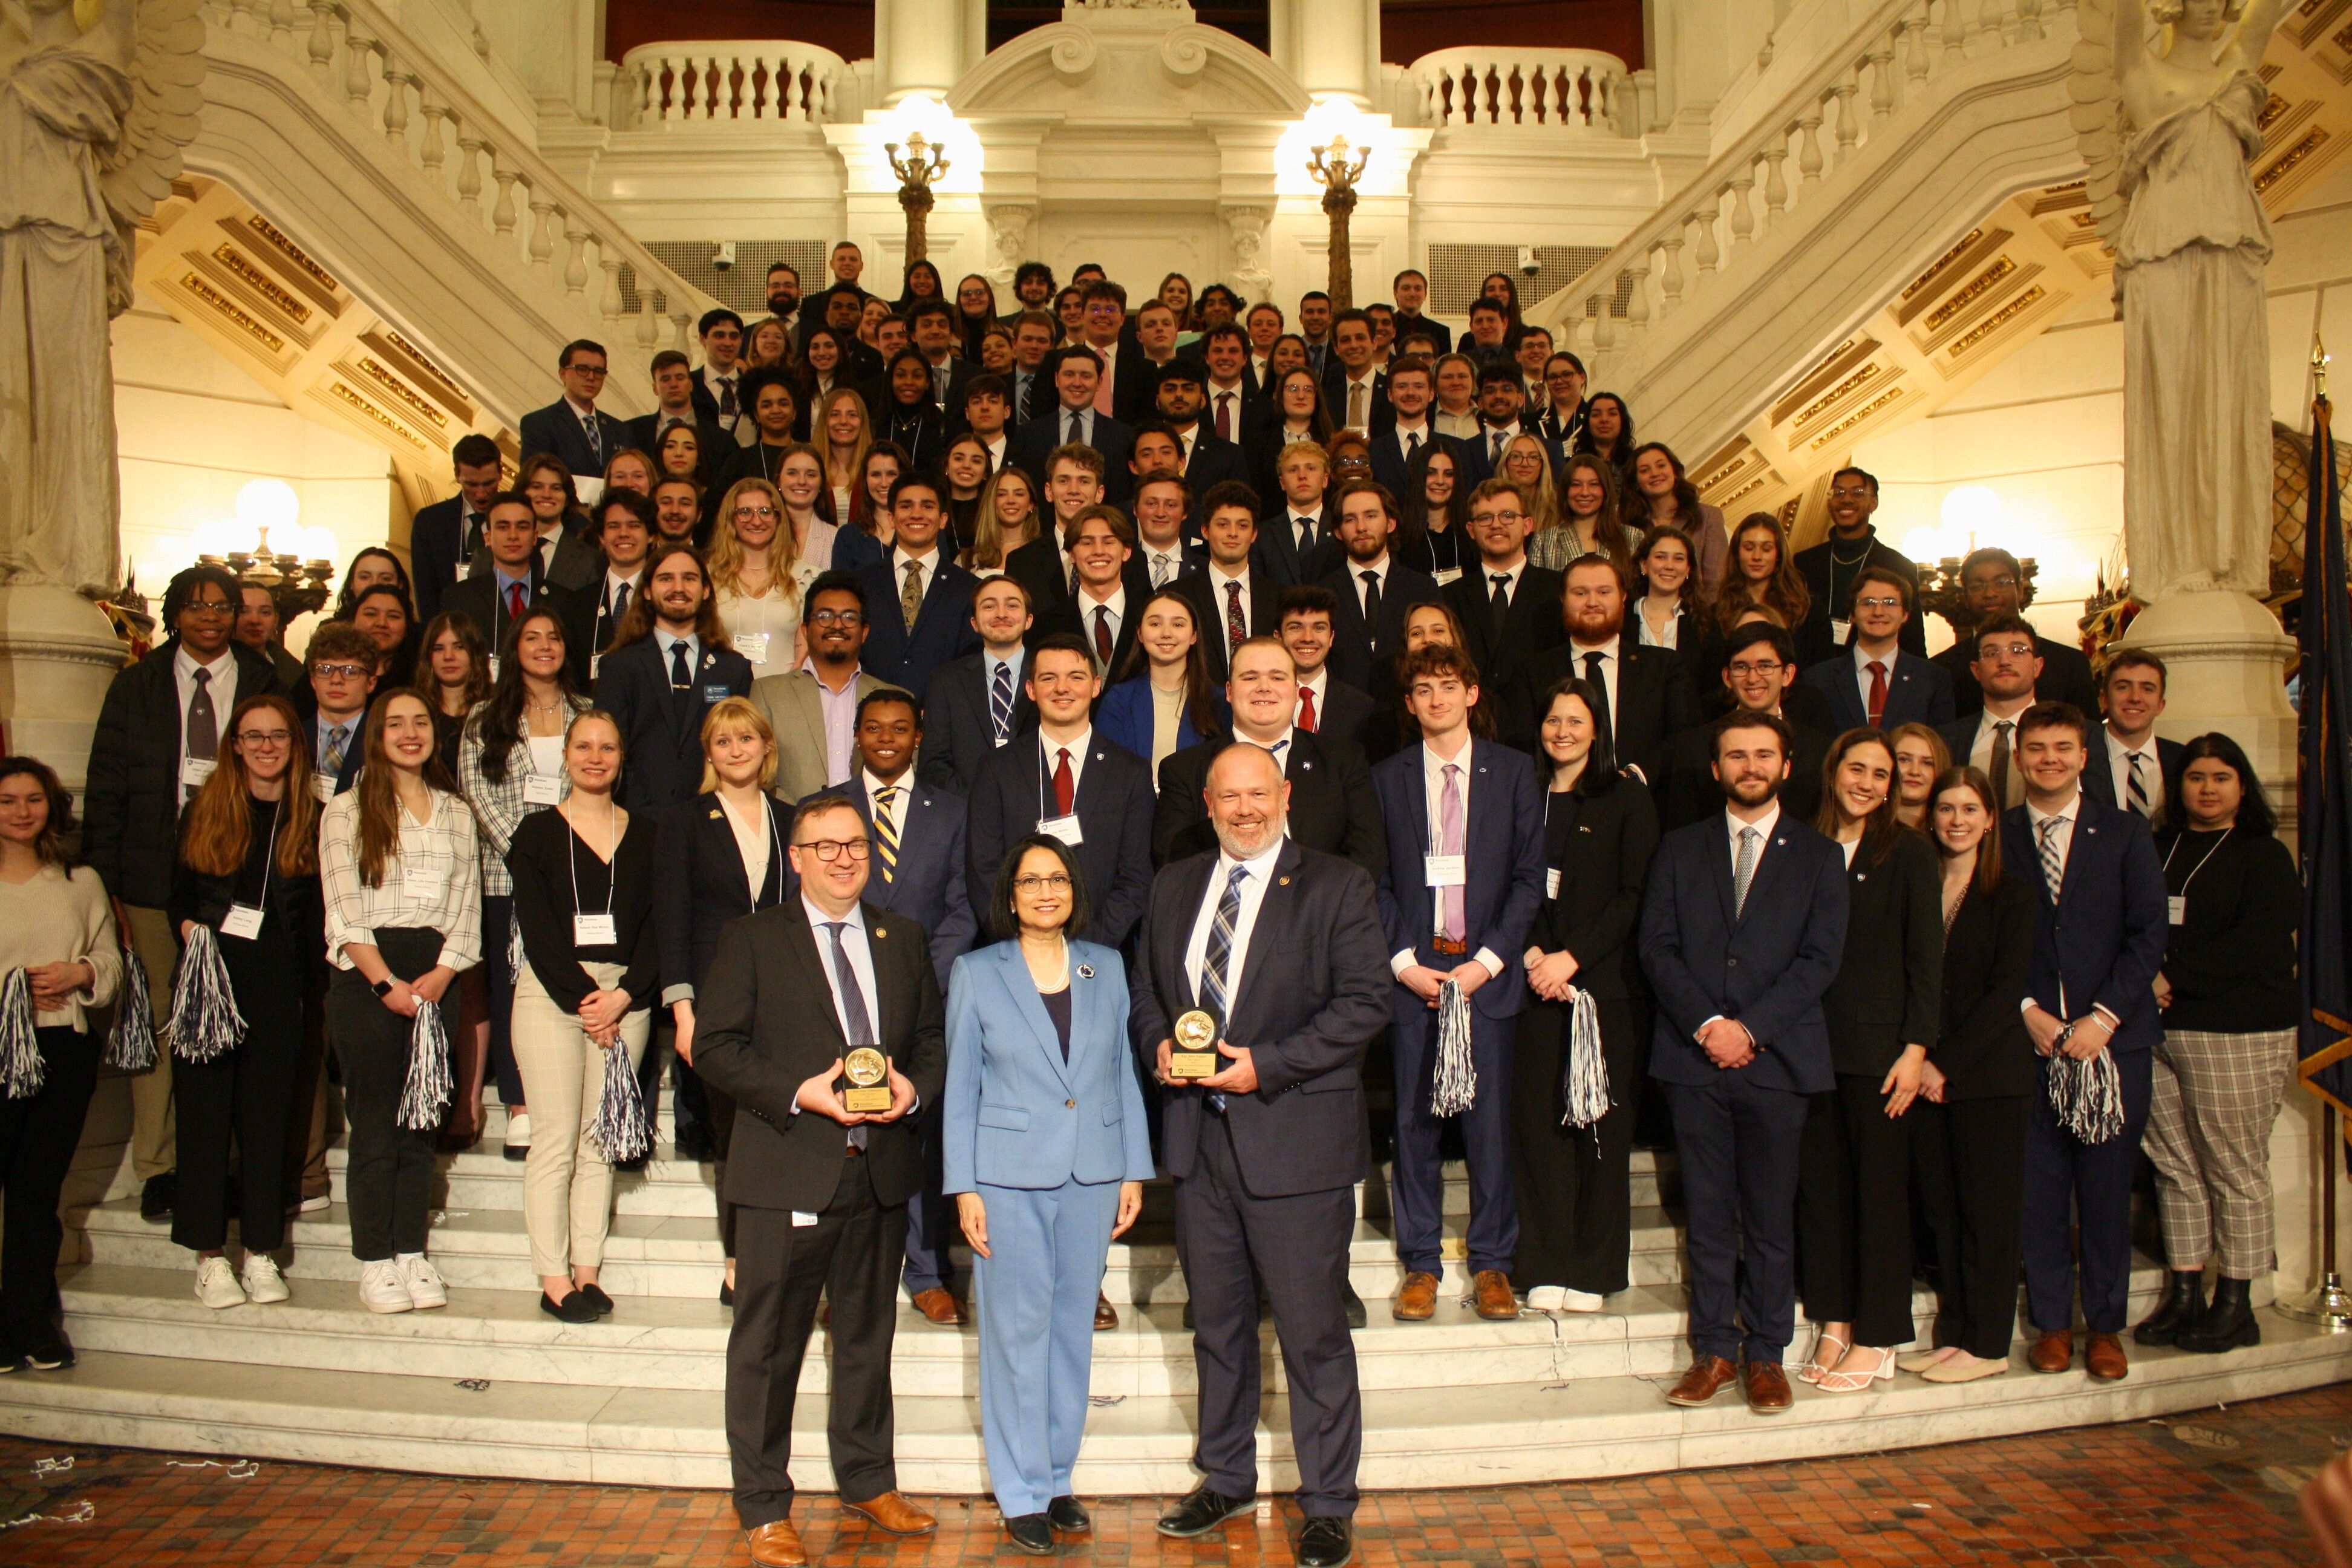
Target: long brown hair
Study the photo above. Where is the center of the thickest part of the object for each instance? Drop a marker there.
(459, 624)
(1784, 592)
(379, 797)
(1198, 706)
(1988, 874)
(637, 621)
(1882, 827)
(218, 830)
(987, 552)
(1609, 522)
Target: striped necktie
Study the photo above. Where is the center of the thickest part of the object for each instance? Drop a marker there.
(1000, 705)
(1216, 958)
(885, 830)
(2136, 785)
(2053, 865)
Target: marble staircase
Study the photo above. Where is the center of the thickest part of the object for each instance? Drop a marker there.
(492, 1386)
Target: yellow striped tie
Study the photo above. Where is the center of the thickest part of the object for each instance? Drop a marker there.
(886, 831)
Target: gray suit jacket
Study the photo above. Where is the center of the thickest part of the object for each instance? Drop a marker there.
(789, 701)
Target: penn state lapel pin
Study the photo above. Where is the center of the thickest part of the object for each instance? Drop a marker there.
(1282, 882)
(880, 933)
(1085, 971)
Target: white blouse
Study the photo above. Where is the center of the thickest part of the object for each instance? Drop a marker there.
(762, 627)
(434, 884)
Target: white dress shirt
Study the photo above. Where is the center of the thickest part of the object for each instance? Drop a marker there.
(1052, 751)
(1612, 663)
(1085, 430)
(1403, 436)
(1732, 827)
(1433, 779)
(1316, 686)
(1087, 604)
(860, 956)
(1164, 565)
(1862, 660)
(996, 451)
(1349, 387)
(1260, 868)
(928, 560)
(1487, 574)
(1487, 436)
(2151, 771)
(896, 810)
(1294, 518)
(223, 687)
(1379, 571)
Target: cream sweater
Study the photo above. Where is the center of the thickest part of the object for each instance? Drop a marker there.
(56, 917)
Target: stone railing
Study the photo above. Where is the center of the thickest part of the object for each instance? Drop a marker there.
(1906, 63)
(491, 176)
(1569, 92)
(735, 81)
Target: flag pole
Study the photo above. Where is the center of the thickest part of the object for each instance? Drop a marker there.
(2328, 1304)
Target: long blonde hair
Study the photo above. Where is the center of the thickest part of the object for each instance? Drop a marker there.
(1542, 498)
(821, 435)
(726, 562)
(987, 552)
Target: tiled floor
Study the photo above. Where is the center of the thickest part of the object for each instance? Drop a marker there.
(2217, 1487)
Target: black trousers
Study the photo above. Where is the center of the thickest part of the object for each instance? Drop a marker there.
(851, 1257)
(1969, 1159)
(720, 1113)
(497, 912)
(1854, 1211)
(1737, 1145)
(388, 1182)
(1229, 1242)
(245, 1095)
(1574, 1183)
(38, 1136)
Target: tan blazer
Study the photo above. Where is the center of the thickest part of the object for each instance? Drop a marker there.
(790, 703)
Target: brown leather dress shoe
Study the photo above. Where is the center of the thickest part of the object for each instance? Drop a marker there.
(1766, 1386)
(893, 1513)
(1496, 1302)
(940, 1307)
(2053, 1350)
(2103, 1357)
(778, 1545)
(1708, 1376)
(1105, 1315)
(1416, 1301)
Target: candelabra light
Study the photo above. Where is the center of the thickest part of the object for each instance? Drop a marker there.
(1333, 167)
(923, 164)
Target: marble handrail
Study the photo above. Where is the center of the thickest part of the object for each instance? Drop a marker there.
(720, 81)
(1576, 92)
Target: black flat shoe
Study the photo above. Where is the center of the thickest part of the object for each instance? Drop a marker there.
(598, 1300)
(1326, 1544)
(573, 1309)
(1030, 1533)
(54, 1356)
(156, 1198)
(1355, 1305)
(726, 1294)
(1199, 1512)
(1070, 1516)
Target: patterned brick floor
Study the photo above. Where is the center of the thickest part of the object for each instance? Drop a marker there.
(2215, 1486)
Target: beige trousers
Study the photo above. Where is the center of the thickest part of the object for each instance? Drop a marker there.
(567, 1182)
(154, 1137)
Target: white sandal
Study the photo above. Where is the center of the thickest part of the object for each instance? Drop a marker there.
(1856, 1382)
(1814, 1367)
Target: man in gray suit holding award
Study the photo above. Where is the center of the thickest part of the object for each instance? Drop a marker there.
(1275, 953)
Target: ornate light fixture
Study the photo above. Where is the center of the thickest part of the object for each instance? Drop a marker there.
(1331, 168)
(924, 163)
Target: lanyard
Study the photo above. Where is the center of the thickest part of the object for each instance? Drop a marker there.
(571, 855)
(279, 804)
(2168, 854)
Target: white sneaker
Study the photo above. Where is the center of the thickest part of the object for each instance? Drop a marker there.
(383, 1289)
(424, 1282)
(216, 1286)
(1581, 1301)
(518, 1134)
(1546, 1298)
(318, 1203)
(263, 1282)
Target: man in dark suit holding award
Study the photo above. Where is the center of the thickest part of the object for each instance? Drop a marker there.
(1282, 948)
(820, 1189)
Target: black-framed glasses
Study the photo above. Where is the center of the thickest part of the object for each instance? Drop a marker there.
(835, 617)
(265, 737)
(832, 849)
(1766, 666)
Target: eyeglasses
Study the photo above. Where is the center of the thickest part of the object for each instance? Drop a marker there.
(1767, 666)
(743, 512)
(1051, 882)
(208, 607)
(835, 617)
(2007, 650)
(832, 849)
(588, 370)
(1498, 517)
(264, 737)
(1851, 492)
(342, 671)
(1878, 604)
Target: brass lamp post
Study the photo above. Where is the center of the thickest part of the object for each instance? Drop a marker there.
(1333, 171)
(924, 163)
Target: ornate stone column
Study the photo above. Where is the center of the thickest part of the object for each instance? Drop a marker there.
(918, 46)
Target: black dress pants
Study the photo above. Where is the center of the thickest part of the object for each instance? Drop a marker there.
(850, 1256)
(1854, 1211)
(498, 914)
(1575, 1186)
(1969, 1158)
(245, 1093)
(38, 1136)
(388, 1182)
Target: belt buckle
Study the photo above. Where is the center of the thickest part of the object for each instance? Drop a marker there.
(1450, 948)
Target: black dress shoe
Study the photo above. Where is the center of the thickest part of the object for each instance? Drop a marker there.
(1355, 1303)
(1030, 1533)
(726, 1294)
(1199, 1512)
(1068, 1515)
(1326, 1544)
(51, 1355)
(156, 1198)
(573, 1309)
(689, 1148)
(598, 1300)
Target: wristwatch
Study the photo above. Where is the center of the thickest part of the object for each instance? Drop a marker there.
(383, 987)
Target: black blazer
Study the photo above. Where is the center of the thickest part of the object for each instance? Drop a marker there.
(1816, 639)
(1034, 442)
(131, 807)
(1258, 609)
(1985, 1050)
(555, 429)
(764, 1025)
(957, 732)
(1038, 567)
(1314, 992)
(588, 626)
(943, 628)
(1347, 714)
(1888, 989)
(1114, 805)
(1213, 462)
(1362, 654)
(718, 444)
(1687, 789)
(1277, 548)
(477, 599)
(661, 731)
(2065, 677)
(1388, 466)
(2099, 773)
(2102, 940)
(704, 891)
(1917, 691)
(1333, 806)
(437, 554)
(1076, 617)
(1653, 701)
(1766, 965)
(1599, 903)
(1531, 624)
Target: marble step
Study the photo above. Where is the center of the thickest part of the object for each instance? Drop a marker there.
(1559, 1428)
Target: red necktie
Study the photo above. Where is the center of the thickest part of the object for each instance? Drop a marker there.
(1307, 709)
(1065, 792)
(1877, 690)
(514, 600)
(1224, 416)
(1102, 636)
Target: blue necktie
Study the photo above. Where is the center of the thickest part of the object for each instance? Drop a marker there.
(1218, 955)
(999, 705)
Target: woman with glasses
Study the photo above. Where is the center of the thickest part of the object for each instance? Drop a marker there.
(975, 304)
(754, 565)
(248, 870)
(1045, 1151)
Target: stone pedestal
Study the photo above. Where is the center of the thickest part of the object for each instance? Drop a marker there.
(58, 655)
(2226, 656)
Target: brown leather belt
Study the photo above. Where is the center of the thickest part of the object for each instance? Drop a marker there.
(1450, 948)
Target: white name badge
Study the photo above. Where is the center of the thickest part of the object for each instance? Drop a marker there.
(1551, 882)
(419, 882)
(242, 919)
(2177, 907)
(542, 789)
(1839, 631)
(595, 663)
(752, 645)
(1065, 829)
(1445, 870)
(194, 771)
(1445, 575)
(323, 787)
(494, 669)
(594, 930)
(802, 1219)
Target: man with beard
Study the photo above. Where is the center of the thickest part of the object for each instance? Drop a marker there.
(1994, 584)
(1375, 592)
(670, 665)
(1832, 568)
(1739, 1046)
(1648, 687)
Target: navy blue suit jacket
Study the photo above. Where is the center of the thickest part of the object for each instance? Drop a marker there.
(1504, 852)
(1034, 442)
(929, 886)
(2099, 776)
(1917, 691)
(2101, 943)
(1114, 809)
(555, 429)
(438, 555)
(1765, 966)
(661, 731)
(943, 628)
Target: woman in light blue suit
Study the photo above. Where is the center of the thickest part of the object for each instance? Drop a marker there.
(1163, 702)
(1046, 1153)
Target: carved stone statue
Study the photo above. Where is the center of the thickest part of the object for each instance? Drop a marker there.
(2167, 99)
(97, 99)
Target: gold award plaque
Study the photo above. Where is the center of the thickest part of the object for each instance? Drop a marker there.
(1192, 1050)
(867, 1072)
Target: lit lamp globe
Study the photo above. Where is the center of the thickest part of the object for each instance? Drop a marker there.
(1970, 513)
(270, 507)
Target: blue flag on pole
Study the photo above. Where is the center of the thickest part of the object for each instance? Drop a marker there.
(2325, 1042)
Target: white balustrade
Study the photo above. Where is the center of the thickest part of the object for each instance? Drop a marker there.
(1576, 92)
(724, 81)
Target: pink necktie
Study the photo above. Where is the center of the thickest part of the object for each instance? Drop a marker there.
(1452, 924)
(1104, 388)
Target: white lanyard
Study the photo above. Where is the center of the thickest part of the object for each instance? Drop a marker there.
(245, 919)
(587, 929)
(2177, 904)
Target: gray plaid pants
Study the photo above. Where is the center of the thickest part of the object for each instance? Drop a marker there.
(2209, 1135)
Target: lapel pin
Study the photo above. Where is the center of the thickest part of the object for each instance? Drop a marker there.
(1085, 971)
(880, 933)
(714, 816)
(1282, 882)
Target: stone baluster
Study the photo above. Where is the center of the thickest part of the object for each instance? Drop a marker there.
(356, 49)
(433, 151)
(1993, 19)
(543, 228)
(1956, 34)
(1916, 59)
(1605, 330)
(322, 42)
(682, 338)
(2029, 21)
(820, 95)
(281, 22)
(575, 267)
(469, 169)
(1848, 132)
(1670, 277)
(1743, 222)
(502, 211)
(1637, 305)
(672, 95)
(1881, 79)
(1809, 147)
(1707, 254)
(609, 262)
(648, 324)
(776, 84)
(1776, 187)
(396, 77)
